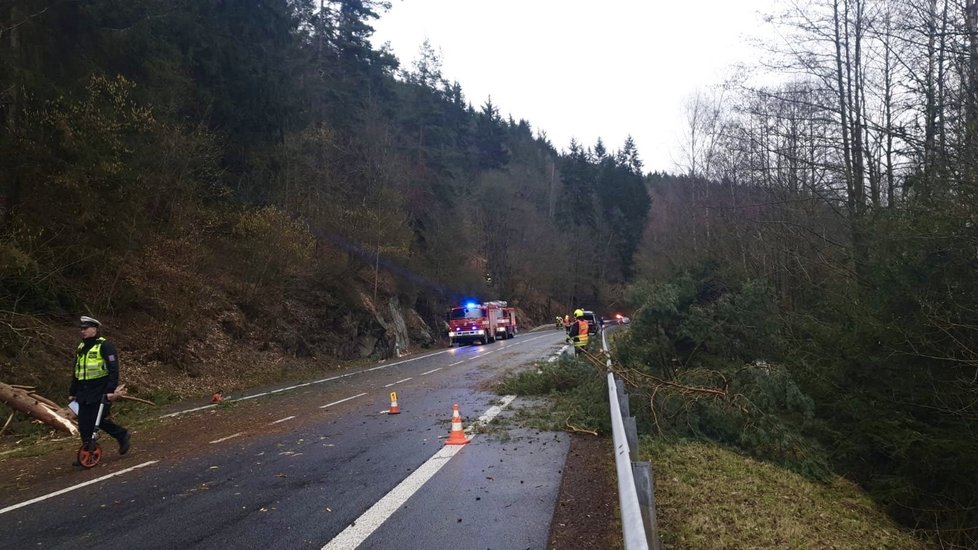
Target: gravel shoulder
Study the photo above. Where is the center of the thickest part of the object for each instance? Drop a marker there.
(586, 512)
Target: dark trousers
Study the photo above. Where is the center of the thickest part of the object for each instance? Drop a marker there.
(87, 413)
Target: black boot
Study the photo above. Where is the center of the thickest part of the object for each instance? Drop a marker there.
(124, 444)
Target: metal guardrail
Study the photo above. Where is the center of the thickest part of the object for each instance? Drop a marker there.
(636, 492)
(636, 495)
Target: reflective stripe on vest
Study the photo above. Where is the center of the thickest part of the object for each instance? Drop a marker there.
(91, 365)
(581, 339)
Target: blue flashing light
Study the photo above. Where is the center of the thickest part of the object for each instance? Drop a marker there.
(471, 305)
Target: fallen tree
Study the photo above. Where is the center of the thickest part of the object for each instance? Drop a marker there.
(29, 402)
(25, 400)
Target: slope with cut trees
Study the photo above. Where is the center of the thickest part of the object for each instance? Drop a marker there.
(243, 191)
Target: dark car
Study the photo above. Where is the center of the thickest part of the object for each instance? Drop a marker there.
(593, 324)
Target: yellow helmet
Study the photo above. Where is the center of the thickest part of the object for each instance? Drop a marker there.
(578, 313)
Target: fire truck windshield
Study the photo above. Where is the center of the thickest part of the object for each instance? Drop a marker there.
(467, 313)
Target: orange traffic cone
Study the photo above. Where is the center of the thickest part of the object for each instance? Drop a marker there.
(394, 408)
(217, 397)
(457, 435)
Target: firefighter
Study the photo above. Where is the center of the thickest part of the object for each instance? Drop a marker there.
(577, 332)
(566, 322)
(96, 376)
(560, 323)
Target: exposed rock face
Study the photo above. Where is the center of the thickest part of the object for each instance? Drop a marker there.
(392, 331)
(405, 328)
(419, 331)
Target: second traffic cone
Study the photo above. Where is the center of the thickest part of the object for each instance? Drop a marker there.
(394, 408)
(457, 435)
(217, 397)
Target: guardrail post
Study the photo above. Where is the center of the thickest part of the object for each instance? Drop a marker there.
(631, 435)
(642, 474)
(622, 398)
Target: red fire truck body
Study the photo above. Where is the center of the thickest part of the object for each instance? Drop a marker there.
(483, 323)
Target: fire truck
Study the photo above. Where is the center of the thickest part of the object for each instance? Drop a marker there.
(485, 322)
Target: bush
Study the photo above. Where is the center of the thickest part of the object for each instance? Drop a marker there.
(577, 394)
(703, 332)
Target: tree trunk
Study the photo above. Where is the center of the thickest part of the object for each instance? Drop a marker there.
(840, 75)
(971, 95)
(38, 407)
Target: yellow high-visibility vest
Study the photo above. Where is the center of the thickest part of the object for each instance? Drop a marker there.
(581, 338)
(91, 365)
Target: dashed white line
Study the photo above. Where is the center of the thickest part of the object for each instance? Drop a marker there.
(376, 515)
(430, 371)
(408, 360)
(188, 411)
(342, 400)
(245, 398)
(280, 420)
(398, 382)
(228, 437)
(557, 356)
(492, 412)
(72, 488)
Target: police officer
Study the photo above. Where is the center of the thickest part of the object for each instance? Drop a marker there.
(577, 332)
(96, 376)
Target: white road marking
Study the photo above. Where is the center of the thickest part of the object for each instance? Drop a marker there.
(376, 515)
(245, 398)
(559, 353)
(72, 488)
(342, 400)
(430, 371)
(283, 419)
(495, 410)
(398, 382)
(408, 360)
(188, 411)
(228, 437)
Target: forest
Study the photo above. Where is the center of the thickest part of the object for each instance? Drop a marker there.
(816, 258)
(217, 177)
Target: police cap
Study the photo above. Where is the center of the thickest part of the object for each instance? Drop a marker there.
(87, 321)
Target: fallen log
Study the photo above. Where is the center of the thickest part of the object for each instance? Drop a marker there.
(37, 407)
(44, 400)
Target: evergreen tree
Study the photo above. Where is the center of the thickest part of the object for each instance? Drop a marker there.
(490, 135)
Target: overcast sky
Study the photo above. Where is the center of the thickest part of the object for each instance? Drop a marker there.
(582, 69)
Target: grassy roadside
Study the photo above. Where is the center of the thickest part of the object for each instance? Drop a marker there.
(709, 496)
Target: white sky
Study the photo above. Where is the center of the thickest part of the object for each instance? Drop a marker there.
(582, 69)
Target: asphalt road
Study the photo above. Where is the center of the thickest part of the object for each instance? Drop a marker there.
(321, 465)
